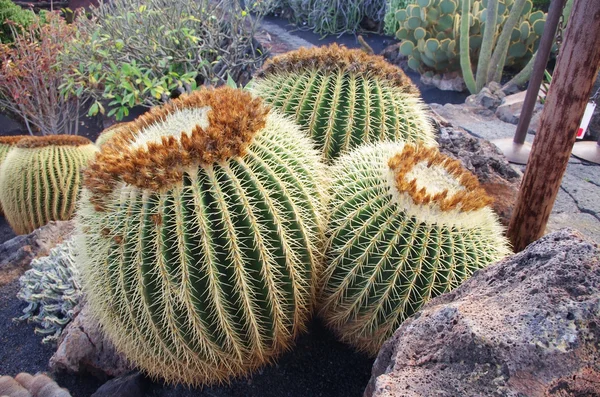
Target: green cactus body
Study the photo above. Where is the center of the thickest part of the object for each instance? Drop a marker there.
(406, 224)
(109, 133)
(6, 144)
(199, 233)
(40, 179)
(344, 98)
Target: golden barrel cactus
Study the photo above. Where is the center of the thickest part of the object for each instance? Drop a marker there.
(344, 98)
(406, 224)
(40, 179)
(199, 233)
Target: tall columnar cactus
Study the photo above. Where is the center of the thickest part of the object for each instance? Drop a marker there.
(40, 179)
(497, 33)
(406, 224)
(199, 232)
(109, 133)
(6, 144)
(344, 98)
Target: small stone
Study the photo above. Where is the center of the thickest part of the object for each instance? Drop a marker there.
(82, 348)
(132, 385)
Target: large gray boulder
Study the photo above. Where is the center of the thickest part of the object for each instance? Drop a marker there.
(526, 326)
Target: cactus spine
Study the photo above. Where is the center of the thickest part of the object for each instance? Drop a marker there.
(344, 98)
(6, 144)
(199, 233)
(40, 179)
(406, 224)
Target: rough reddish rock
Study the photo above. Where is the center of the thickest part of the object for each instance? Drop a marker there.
(483, 159)
(16, 254)
(82, 348)
(526, 326)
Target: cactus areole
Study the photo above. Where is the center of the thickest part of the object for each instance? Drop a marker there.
(344, 98)
(199, 229)
(406, 224)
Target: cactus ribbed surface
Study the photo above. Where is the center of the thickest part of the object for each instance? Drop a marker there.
(200, 232)
(344, 98)
(406, 224)
(6, 144)
(109, 133)
(40, 179)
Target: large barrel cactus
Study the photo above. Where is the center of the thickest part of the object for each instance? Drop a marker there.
(406, 224)
(199, 231)
(6, 144)
(40, 179)
(344, 98)
(109, 133)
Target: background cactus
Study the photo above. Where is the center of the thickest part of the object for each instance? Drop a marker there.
(344, 97)
(52, 289)
(199, 233)
(430, 30)
(6, 144)
(406, 224)
(40, 179)
(109, 133)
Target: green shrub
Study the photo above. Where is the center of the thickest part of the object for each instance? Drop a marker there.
(12, 13)
(52, 290)
(138, 52)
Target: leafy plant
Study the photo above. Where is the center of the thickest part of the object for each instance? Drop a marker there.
(140, 53)
(31, 74)
(52, 289)
(200, 232)
(13, 19)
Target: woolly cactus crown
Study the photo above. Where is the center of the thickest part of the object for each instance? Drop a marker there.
(200, 228)
(406, 224)
(40, 179)
(344, 98)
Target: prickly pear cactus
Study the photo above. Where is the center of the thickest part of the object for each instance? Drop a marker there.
(430, 33)
(6, 144)
(344, 98)
(200, 232)
(406, 224)
(52, 289)
(40, 179)
(109, 133)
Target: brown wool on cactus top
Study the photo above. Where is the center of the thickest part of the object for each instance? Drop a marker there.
(235, 116)
(32, 142)
(472, 197)
(12, 140)
(335, 58)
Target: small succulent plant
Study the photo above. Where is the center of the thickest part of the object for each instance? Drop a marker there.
(40, 179)
(52, 289)
(200, 228)
(344, 98)
(406, 224)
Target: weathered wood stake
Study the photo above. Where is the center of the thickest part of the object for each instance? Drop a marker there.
(574, 75)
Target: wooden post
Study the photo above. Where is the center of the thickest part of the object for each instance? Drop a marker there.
(574, 75)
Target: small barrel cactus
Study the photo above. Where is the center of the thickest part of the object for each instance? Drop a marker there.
(406, 224)
(199, 230)
(344, 98)
(6, 144)
(109, 133)
(40, 179)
